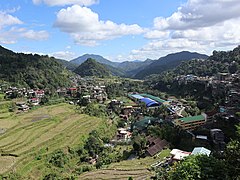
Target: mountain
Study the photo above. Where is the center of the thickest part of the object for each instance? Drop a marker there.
(124, 69)
(32, 71)
(115, 71)
(98, 58)
(133, 67)
(92, 68)
(168, 62)
(68, 65)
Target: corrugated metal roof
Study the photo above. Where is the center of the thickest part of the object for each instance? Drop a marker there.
(149, 102)
(201, 150)
(137, 96)
(193, 118)
(154, 98)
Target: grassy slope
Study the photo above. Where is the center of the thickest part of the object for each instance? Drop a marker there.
(40, 132)
(137, 169)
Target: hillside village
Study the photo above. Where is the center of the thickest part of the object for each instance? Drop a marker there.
(122, 90)
(138, 119)
(140, 111)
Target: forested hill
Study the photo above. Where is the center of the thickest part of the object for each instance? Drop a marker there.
(92, 68)
(218, 62)
(32, 71)
(227, 56)
(81, 59)
(168, 62)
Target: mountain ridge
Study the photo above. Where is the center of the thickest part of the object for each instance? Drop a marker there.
(168, 62)
(32, 71)
(91, 67)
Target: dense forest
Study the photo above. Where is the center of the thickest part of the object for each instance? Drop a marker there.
(168, 62)
(92, 68)
(32, 71)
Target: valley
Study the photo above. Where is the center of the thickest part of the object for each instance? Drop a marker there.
(96, 125)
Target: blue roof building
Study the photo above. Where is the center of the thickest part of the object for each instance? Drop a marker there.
(149, 102)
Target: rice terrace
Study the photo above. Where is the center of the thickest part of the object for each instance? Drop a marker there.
(91, 93)
(39, 133)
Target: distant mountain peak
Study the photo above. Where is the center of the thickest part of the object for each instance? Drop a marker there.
(79, 60)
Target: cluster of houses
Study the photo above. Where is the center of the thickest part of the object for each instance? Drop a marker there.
(27, 97)
(87, 88)
(223, 85)
(215, 137)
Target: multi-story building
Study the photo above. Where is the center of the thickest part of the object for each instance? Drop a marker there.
(191, 122)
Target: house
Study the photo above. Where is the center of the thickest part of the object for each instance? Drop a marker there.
(217, 137)
(123, 134)
(178, 154)
(223, 76)
(201, 150)
(72, 91)
(62, 92)
(155, 145)
(144, 122)
(22, 106)
(191, 122)
(39, 93)
(127, 110)
(34, 101)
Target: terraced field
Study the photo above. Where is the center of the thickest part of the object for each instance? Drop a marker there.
(137, 169)
(38, 133)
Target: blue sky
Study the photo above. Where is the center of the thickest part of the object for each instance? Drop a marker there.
(119, 29)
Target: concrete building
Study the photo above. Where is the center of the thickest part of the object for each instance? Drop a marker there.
(191, 122)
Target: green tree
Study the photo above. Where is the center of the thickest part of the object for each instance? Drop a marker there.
(232, 154)
(94, 144)
(198, 167)
(58, 159)
(139, 143)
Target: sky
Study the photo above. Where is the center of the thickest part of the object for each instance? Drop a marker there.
(119, 30)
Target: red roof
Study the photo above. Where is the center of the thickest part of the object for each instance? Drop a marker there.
(72, 89)
(211, 113)
(40, 91)
(156, 145)
(34, 99)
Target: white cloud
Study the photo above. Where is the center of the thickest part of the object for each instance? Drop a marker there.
(11, 31)
(8, 20)
(35, 35)
(199, 13)
(156, 34)
(85, 27)
(196, 26)
(66, 55)
(66, 2)
(12, 35)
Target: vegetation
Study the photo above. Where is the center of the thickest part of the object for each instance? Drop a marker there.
(32, 71)
(46, 140)
(135, 168)
(92, 68)
(198, 167)
(168, 62)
